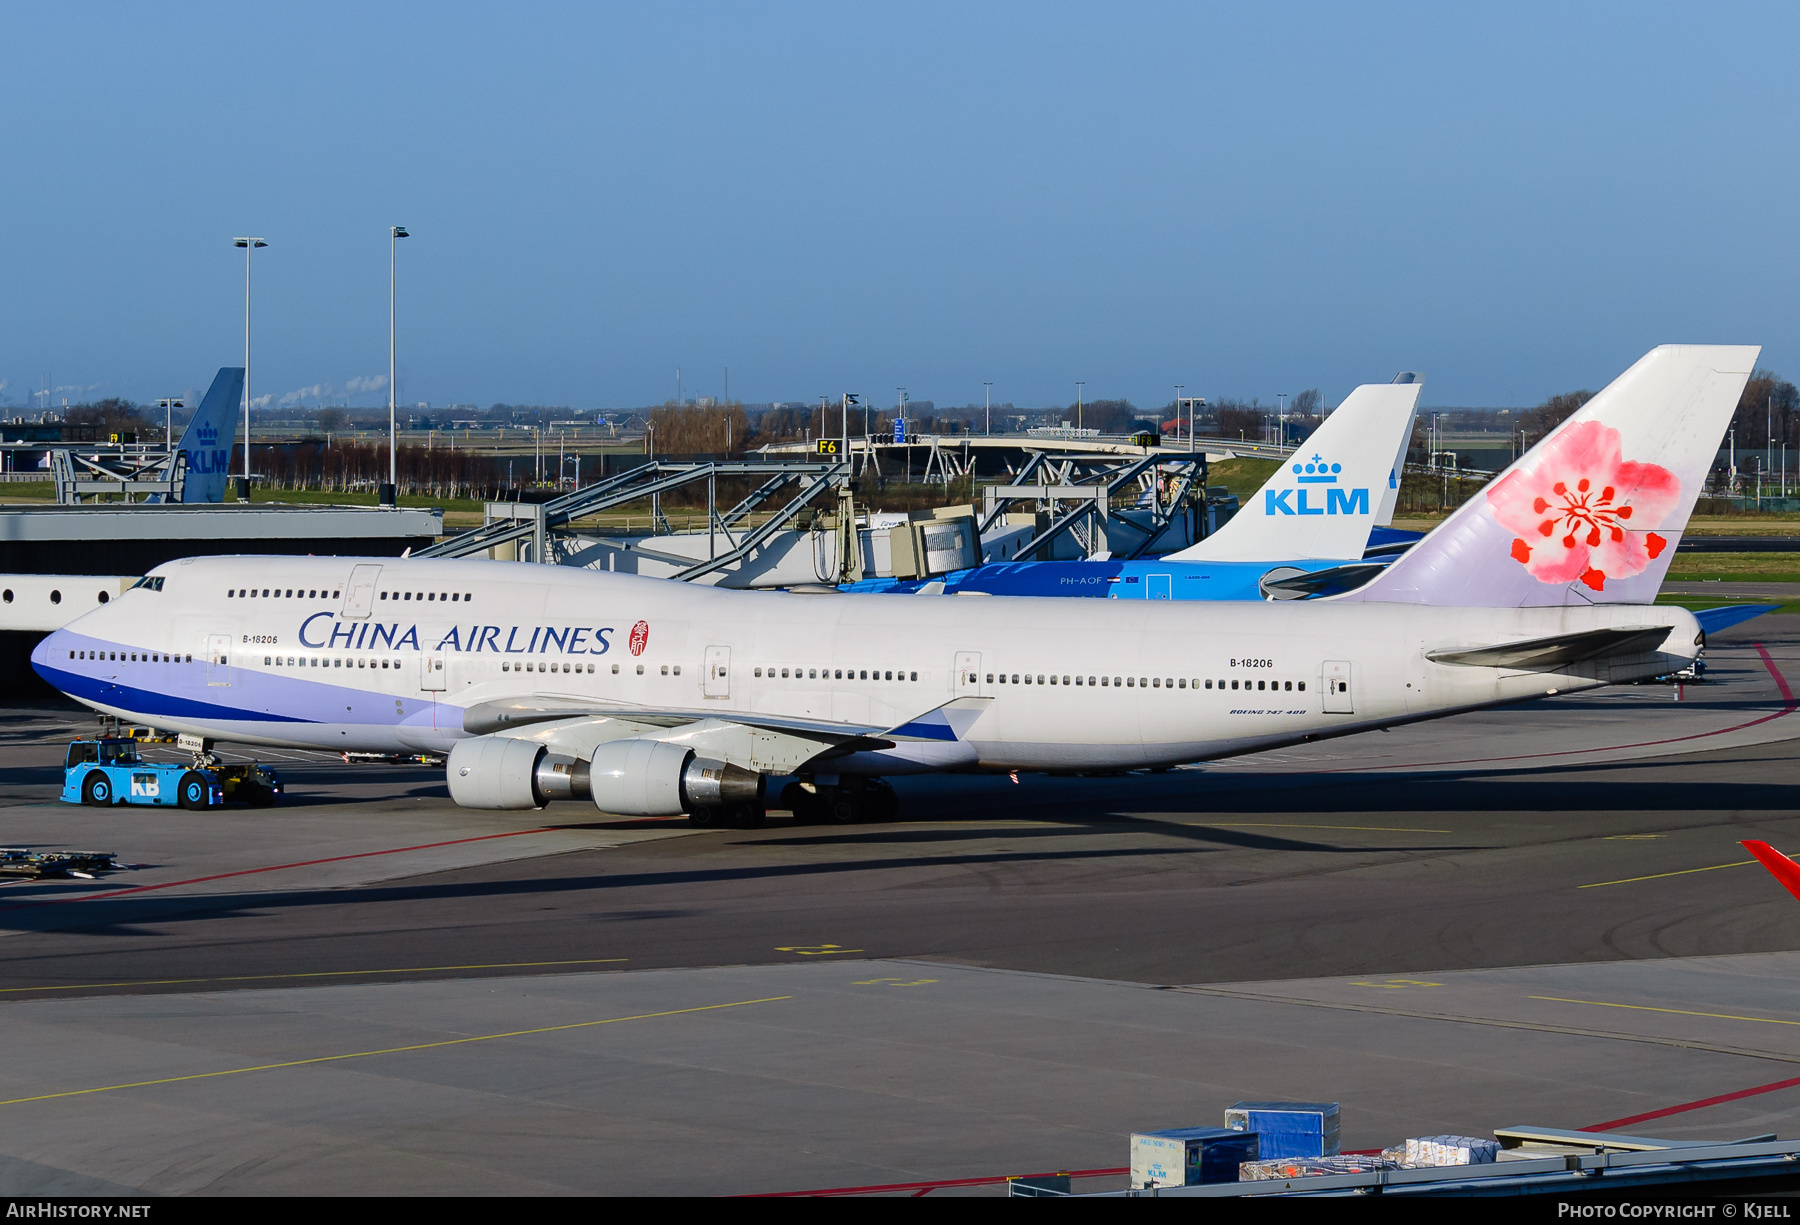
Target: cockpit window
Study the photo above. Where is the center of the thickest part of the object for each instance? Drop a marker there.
(150, 582)
(82, 752)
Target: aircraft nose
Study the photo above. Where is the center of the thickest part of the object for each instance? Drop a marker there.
(55, 646)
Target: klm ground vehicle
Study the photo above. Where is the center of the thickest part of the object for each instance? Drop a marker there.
(110, 771)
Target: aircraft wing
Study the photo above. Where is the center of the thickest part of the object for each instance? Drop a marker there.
(1560, 650)
(945, 721)
(1780, 866)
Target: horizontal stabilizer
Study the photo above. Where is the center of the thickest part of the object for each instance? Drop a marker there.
(1548, 654)
(1286, 586)
(1780, 866)
(1712, 620)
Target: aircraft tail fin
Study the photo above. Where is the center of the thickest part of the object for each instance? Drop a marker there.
(207, 441)
(1322, 501)
(1780, 866)
(1390, 494)
(1592, 513)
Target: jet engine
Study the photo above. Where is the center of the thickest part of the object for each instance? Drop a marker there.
(637, 778)
(503, 772)
(652, 778)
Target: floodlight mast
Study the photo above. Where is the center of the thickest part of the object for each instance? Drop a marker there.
(395, 234)
(249, 244)
(169, 406)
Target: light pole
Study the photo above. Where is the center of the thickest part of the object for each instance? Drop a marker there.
(900, 415)
(1079, 384)
(248, 244)
(988, 408)
(395, 234)
(169, 407)
(1179, 388)
(1281, 418)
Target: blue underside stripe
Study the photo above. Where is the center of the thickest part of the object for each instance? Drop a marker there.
(150, 702)
(925, 731)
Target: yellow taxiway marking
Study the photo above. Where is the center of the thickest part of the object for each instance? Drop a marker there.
(894, 982)
(1398, 983)
(1659, 875)
(392, 1050)
(1378, 829)
(253, 978)
(1684, 1012)
(814, 950)
(1631, 837)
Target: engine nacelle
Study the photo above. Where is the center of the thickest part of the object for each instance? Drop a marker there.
(652, 778)
(495, 772)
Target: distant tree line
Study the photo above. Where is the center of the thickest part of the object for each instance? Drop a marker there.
(345, 466)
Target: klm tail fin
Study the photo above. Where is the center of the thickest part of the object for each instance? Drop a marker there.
(1593, 512)
(208, 438)
(1390, 494)
(1322, 502)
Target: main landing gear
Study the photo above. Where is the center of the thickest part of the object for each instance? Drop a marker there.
(851, 802)
(731, 816)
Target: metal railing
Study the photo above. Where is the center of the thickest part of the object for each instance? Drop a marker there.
(652, 480)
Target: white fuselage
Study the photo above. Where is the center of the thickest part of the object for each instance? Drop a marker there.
(385, 655)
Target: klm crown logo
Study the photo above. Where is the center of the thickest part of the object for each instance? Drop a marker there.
(1316, 472)
(207, 435)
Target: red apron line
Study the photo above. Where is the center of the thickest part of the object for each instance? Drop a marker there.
(1628, 1121)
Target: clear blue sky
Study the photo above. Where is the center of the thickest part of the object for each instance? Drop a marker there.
(1246, 199)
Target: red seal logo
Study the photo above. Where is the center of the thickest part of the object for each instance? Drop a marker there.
(640, 637)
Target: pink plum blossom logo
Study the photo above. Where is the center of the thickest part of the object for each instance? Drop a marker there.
(1583, 512)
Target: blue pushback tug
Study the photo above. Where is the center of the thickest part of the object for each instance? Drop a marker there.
(111, 771)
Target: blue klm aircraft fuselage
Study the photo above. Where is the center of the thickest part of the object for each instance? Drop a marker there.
(1154, 578)
(1326, 511)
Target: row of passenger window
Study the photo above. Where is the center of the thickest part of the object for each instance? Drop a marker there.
(276, 593)
(321, 593)
(838, 674)
(319, 661)
(1131, 682)
(450, 596)
(147, 657)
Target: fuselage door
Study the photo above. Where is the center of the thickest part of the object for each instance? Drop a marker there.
(359, 597)
(968, 675)
(1159, 587)
(218, 659)
(1335, 676)
(718, 672)
(431, 672)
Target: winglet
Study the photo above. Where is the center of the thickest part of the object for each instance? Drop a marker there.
(951, 721)
(1780, 866)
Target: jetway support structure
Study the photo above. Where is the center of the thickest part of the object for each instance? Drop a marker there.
(1164, 485)
(532, 524)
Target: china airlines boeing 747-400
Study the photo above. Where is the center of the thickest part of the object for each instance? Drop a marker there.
(650, 697)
